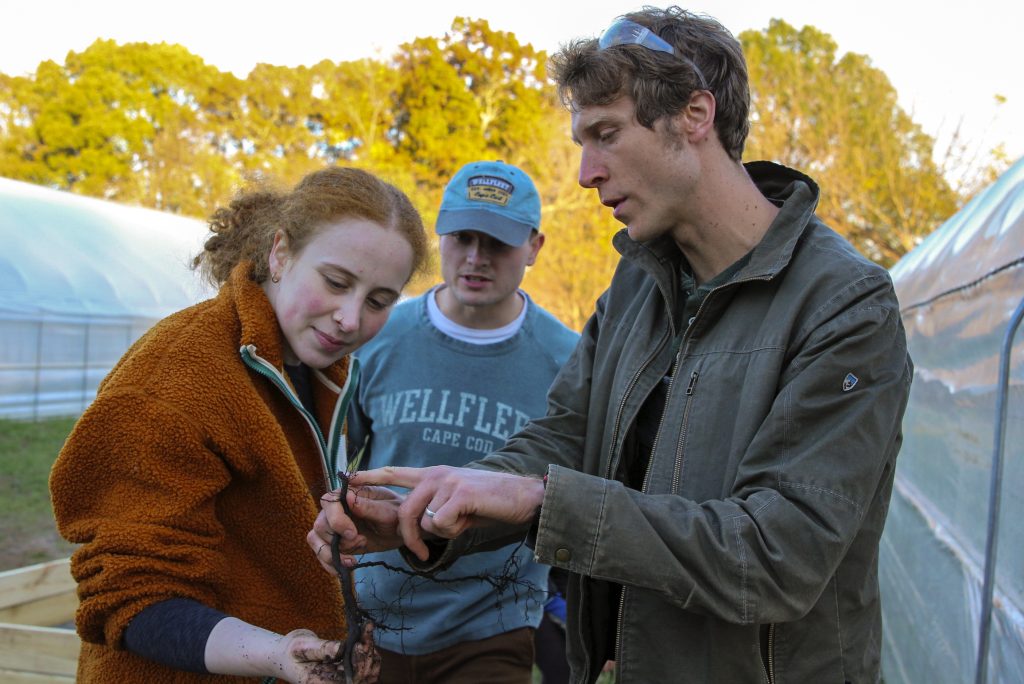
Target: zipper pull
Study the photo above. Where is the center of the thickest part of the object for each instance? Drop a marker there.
(693, 381)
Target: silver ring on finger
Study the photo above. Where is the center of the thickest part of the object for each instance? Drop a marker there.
(429, 513)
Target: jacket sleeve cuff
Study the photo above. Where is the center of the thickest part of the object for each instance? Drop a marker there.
(571, 518)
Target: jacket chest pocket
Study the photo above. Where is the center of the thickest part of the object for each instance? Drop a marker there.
(714, 412)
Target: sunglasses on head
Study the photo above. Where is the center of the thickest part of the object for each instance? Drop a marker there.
(625, 32)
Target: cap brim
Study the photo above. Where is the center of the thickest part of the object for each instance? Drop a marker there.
(502, 228)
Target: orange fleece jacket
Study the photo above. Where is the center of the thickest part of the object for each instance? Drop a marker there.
(192, 475)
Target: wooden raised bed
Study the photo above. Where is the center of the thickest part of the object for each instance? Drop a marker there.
(37, 605)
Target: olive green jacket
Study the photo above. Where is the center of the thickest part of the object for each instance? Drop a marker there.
(750, 554)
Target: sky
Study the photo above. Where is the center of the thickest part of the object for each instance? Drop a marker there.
(947, 66)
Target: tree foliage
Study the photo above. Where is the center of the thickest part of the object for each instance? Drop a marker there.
(124, 122)
(153, 124)
(838, 120)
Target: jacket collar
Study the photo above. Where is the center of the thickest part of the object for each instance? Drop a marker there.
(796, 195)
(794, 192)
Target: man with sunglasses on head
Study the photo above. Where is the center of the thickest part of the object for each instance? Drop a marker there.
(715, 465)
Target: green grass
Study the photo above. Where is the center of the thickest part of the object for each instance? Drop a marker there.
(27, 452)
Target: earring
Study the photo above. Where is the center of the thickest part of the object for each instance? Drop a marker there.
(276, 278)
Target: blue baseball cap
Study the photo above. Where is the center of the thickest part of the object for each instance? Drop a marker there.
(490, 197)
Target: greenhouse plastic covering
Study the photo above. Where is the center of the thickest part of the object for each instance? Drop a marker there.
(80, 280)
(958, 292)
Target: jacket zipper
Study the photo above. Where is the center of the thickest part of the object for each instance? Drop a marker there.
(678, 471)
(675, 480)
(661, 421)
(267, 370)
(770, 672)
(615, 438)
(684, 347)
(679, 446)
(612, 462)
(337, 436)
(254, 361)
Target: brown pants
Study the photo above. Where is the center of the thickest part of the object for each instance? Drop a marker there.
(502, 659)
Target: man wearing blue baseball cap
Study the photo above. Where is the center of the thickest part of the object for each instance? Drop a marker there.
(451, 376)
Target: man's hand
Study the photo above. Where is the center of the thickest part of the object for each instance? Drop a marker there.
(446, 501)
(374, 527)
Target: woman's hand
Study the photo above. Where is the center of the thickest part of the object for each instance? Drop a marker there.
(365, 658)
(372, 527)
(307, 659)
(315, 661)
(235, 647)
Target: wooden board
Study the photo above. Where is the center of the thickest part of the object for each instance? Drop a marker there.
(52, 611)
(42, 595)
(33, 582)
(39, 650)
(12, 677)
